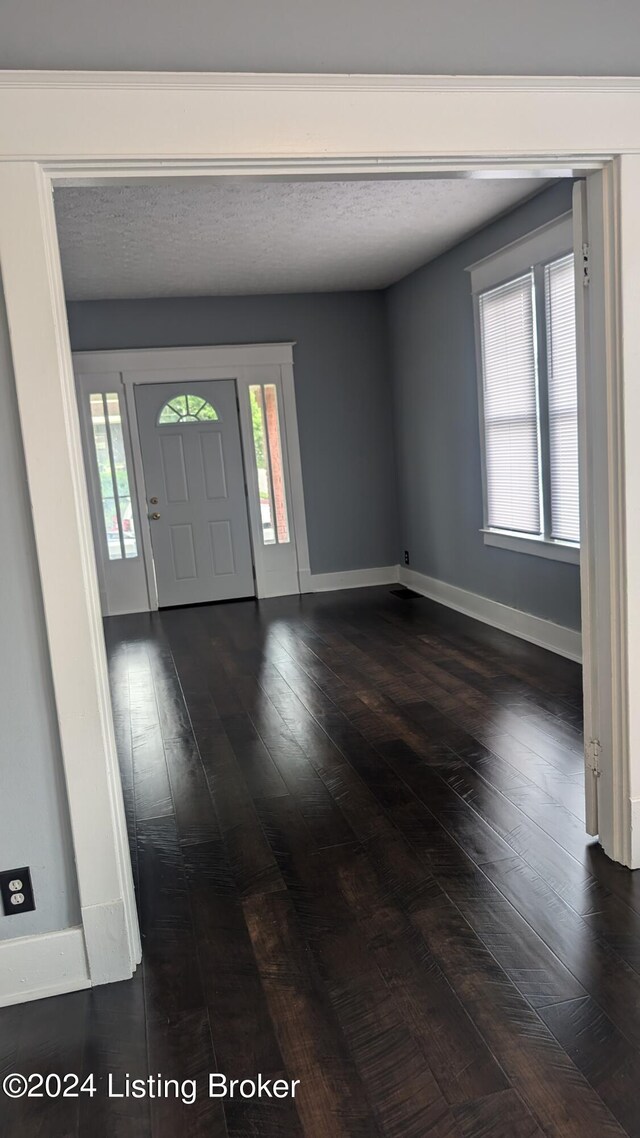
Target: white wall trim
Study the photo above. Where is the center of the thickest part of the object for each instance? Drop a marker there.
(276, 567)
(535, 546)
(99, 123)
(542, 244)
(546, 634)
(166, 359)
(314, 81)
(92, 127)
(105, 928)
(634, 812)
(55, 471)
(32, 967)
(348, 579)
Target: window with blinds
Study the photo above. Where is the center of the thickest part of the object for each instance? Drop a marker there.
(530, 407)
(563, 399)
(512, 460)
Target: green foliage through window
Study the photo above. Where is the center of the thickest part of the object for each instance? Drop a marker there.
(111, 460)
(187, 409)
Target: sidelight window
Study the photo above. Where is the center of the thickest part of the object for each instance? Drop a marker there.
(108, 441)
(267, 444)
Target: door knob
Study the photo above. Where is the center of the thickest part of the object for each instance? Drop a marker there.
(154, 517)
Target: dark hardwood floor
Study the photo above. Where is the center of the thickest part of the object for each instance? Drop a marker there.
(357, 831)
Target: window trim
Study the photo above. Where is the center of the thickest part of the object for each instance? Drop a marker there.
(547, 243)
(538, 546)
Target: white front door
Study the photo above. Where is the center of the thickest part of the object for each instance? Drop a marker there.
(195, 488)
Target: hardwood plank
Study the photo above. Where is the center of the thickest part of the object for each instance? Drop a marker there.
(330, 1098)
(390, 1053)
(50, 1041)
(326, 821)
(502, 1115)
(196, 818)
(259, 771)
(116, 1044)
(566, 876)
(357, 830)
(152, 791)
(523, 837)
(539, 1069)
(182, 1049)
(252, 862)
(605, 1057)
(171, 975)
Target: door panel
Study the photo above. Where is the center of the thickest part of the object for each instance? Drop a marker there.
(222, 548)
(173, 468)
(213, 465)
(184, 554)
(192, 459)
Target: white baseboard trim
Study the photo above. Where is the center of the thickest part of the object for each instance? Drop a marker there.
(545, 633)
(32, 967)
(565, 641)
(348, 579)
(107, 942)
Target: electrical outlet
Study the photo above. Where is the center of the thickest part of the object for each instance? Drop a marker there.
(406, 556)
(16, 891)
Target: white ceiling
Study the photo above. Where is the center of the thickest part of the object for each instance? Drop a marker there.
(249, 237)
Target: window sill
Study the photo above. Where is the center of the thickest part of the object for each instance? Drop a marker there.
(538, 546)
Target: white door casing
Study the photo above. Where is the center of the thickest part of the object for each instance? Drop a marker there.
(196, 499)
(281, 569)
(79, 127)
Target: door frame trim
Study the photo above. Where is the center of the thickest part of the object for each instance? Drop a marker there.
(242, 363)
(90, 128)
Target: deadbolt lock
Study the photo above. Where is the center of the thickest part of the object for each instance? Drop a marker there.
(154, 501)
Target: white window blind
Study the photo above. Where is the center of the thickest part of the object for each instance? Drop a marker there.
(563, 399)
(512, 452)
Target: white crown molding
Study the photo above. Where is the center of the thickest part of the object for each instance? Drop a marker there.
(319, 81)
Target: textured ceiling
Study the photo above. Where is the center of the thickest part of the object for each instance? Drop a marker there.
(249, 237)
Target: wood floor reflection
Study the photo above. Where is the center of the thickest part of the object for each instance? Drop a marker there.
(356, 822)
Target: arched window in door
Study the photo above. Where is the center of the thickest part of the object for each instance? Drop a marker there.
(187, 409)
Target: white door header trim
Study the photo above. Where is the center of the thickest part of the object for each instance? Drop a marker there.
(164, 359)
(119, 123)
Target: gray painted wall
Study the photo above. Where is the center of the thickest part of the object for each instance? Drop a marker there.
(34, 823)
(344, 406)
(579, 37)
(342, 393)
(433, 365)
